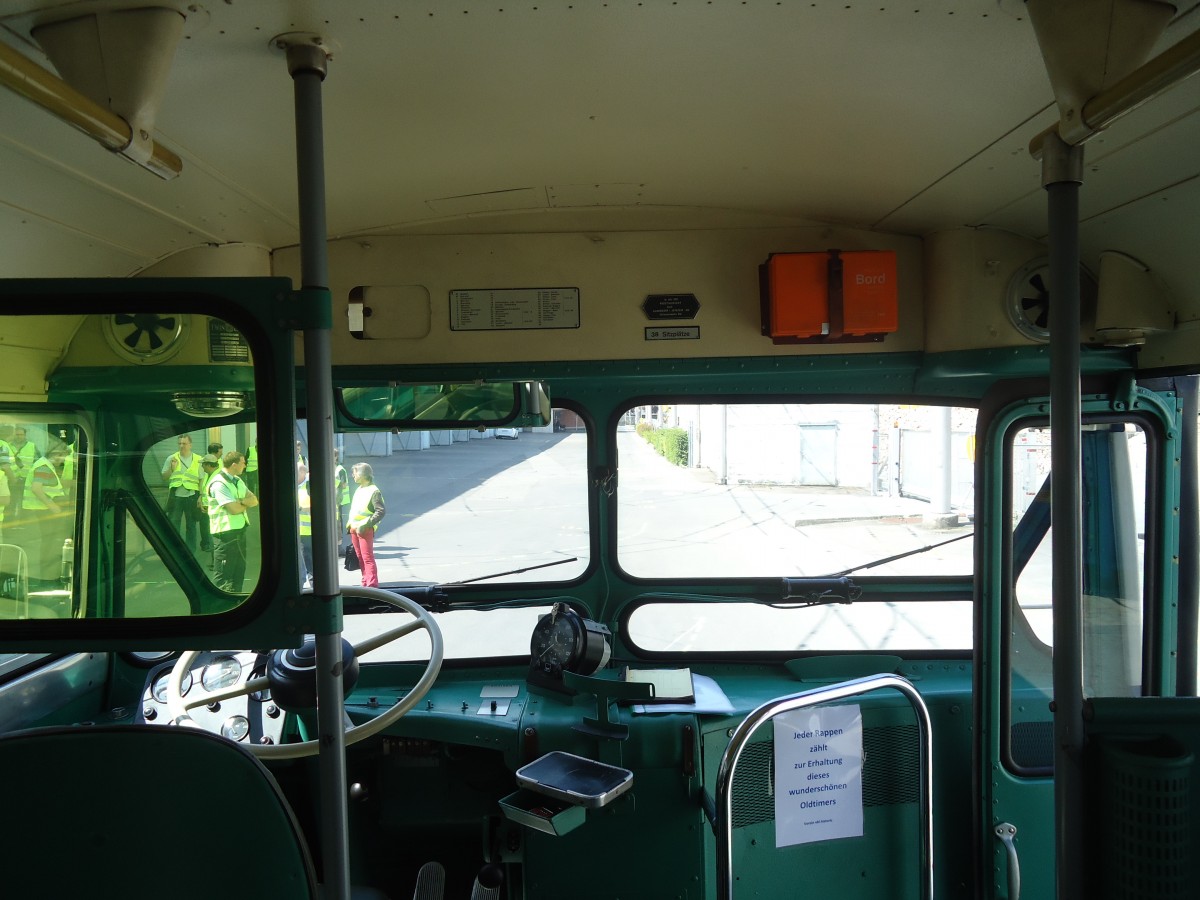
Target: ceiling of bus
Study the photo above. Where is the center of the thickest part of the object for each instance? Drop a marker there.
(552, 115)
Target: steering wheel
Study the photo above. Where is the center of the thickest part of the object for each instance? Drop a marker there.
(179, 706)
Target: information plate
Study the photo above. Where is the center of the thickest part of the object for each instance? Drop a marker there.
(226, 344)
(818, 775)
(671, 306)
(513, 309)
(674, 333)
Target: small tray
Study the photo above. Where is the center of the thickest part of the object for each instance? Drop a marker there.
(542, 813)
(575, 779)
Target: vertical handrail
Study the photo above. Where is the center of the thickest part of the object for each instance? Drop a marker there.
(307, 62)
(1062, 175)
(770, 709)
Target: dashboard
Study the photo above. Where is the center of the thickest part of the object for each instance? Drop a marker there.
(247, 719)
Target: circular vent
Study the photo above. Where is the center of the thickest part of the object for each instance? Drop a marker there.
(1028, 299)
(145, 338)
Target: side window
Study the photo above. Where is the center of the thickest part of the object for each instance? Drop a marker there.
(1114, 456)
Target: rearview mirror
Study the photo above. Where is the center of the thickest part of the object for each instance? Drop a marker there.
(434, 406)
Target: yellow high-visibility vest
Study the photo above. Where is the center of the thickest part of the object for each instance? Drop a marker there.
(54, 491)
(359, 512)
(185, 476)
(220, 519)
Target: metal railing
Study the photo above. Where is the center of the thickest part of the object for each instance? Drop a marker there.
(741, 736)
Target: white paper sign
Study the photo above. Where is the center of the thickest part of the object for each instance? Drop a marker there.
(818, 775)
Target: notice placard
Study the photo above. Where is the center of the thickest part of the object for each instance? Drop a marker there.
(514, 309)
(226, 344)
(818, 775)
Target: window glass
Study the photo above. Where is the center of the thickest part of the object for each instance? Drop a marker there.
(683, 627)
(1114, 458)
(103, 434)
(498, 505)
(743, 490)
(150, 590)
(1114, 522)
(466, 633)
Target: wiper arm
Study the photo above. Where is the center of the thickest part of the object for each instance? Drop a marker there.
(557, 562)
(887, 559)
(434, 598)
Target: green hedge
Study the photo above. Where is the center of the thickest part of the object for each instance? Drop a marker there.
(671, 443)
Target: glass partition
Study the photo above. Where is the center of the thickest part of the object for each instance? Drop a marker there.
(122, 488)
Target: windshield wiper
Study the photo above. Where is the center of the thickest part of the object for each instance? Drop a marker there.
(887, 559)
(434, 597)
(557, 562)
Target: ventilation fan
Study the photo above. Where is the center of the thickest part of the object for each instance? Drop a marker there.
(145, 338)
(1028, 299)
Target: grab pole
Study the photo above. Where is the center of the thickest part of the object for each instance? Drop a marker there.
(307, 63)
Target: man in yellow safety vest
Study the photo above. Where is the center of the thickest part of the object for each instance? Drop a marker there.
(182, 474)
(251, 474)
(228, 500)
(208, 468)
(341, 483)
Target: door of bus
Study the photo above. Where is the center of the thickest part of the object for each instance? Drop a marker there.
(1130, 463)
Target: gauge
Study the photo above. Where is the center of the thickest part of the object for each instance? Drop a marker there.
(159, 691)
(235, 728)
(564, 641)
(221, 673)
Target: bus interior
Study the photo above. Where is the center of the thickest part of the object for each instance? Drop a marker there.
(617, 450)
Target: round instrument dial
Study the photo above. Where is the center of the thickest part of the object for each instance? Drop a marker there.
(221, 673)
(564, 641)
(159, 690)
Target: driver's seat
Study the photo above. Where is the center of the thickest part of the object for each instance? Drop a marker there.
(138, 811)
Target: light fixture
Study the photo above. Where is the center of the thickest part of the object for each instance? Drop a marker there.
(209, 404)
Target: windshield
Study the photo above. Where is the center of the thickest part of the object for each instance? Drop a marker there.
(796, 491)
(756, 490)
(497, 505)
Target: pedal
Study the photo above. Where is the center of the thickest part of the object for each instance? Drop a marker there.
(487, 883)
(431, 882)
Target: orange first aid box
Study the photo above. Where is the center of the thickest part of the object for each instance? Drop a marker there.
(807, 299)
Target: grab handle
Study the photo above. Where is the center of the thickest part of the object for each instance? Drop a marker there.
(1007, 834)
